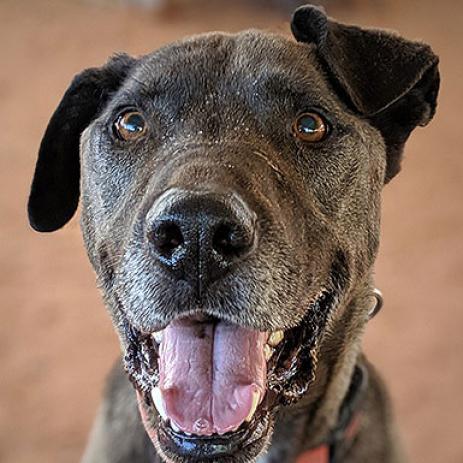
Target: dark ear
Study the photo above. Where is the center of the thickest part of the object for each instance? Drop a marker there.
(391, 81)
(55, 188)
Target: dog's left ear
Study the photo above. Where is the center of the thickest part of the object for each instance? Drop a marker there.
(391, 81)
(55, 188)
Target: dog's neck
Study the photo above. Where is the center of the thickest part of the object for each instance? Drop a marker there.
(308, 424)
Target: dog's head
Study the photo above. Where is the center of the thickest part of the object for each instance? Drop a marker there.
(230, 189)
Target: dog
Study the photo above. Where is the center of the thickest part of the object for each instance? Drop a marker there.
(230, 187)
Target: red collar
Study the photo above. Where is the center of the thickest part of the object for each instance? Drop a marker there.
(319, 454)
(341, 438)
(324, 453)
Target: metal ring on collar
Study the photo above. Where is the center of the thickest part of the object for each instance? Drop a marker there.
(379, 302)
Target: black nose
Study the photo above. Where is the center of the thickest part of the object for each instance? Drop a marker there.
(198, 236)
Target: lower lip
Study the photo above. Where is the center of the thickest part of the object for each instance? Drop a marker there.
(201, 448)
(205, 448)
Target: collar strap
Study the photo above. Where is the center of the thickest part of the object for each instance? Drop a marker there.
(340, 438)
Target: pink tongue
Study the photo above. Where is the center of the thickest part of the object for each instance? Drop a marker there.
(209, 375)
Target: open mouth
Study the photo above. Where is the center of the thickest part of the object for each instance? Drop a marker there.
(215, 384)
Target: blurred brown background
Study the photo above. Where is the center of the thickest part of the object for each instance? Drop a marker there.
(56, 342)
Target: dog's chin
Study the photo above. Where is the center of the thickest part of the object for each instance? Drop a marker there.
(243, 445)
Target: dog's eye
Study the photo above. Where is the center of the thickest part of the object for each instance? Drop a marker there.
(130, 126)
(310, 127)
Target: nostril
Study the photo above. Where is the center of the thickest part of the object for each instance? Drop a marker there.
(232, 240)
(166, 237)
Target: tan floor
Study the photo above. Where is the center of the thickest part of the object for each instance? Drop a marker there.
(56, 342)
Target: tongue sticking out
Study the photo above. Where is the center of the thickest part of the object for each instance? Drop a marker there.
(212, 375)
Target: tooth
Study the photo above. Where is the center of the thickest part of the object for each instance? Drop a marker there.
(275, 338)
(174, 427)
(255, 403)
(157, 336)
(268, 352)
(159, 403)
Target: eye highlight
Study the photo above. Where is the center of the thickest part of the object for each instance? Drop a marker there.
(310, 127)
(130, 126)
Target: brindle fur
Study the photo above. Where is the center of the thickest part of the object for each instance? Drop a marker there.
(220, 107)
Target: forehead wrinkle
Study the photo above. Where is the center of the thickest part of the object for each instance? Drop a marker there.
(207, 55)
(242, 71)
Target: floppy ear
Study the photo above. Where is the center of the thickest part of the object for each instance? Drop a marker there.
(55, 188)
(391, 81)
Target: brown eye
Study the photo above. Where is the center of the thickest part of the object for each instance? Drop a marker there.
(310, 127)
(130, 126)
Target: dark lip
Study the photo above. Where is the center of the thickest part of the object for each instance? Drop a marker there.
(198, 448)
(292, 369)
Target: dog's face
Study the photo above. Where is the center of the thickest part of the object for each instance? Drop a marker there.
(230, 194)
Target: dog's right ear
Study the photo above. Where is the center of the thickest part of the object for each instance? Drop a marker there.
(55, 188)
